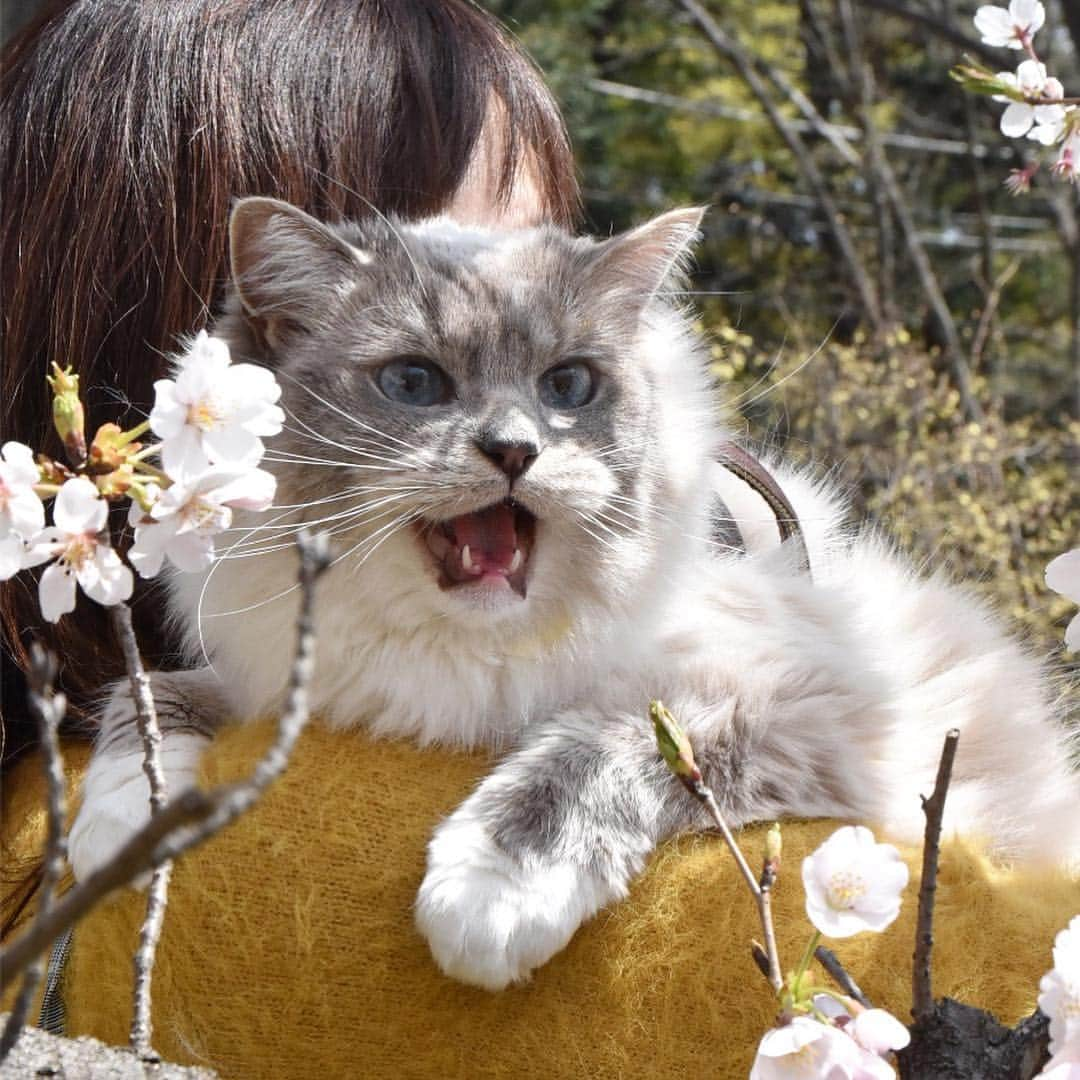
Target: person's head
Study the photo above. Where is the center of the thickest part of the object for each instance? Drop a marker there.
(127, 129)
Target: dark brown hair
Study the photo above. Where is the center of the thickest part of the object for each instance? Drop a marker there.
(126, 129)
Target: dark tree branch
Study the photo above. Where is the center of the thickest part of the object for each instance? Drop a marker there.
(730, 48)
(934, 808)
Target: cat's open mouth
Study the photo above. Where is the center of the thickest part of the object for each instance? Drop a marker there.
(490, 546)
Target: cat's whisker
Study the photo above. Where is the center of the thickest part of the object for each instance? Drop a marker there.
(392, 455)
(366, 446)
(355, 421)
(791, 374)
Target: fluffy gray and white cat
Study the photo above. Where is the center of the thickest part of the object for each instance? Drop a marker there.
(513, 437)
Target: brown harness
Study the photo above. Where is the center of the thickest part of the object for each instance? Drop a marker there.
(748, 469)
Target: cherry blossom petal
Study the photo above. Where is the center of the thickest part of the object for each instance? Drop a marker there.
(191, 552)
(23, 513)
(806, 1048)
(1027, 14)
(1017, 119)
(18, 465)
(11, 557)
(229, 445)
(183, 457)
(56, 591)
(1059, 990)
(168, 415)
(1063, 575)
(79, 507)
(105, 578)
(253, 490)
(996, 27)
(879, 1031)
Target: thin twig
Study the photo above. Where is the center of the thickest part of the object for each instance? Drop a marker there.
(884, 174)
(762, 896)
(158, 894)
(831, 963)
(49, 706)
(192, 816)
(933, 808)
(727, 45)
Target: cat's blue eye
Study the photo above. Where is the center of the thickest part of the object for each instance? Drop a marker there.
(568, 386)
(414, 381)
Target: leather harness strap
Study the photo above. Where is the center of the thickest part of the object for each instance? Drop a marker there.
(748, 469)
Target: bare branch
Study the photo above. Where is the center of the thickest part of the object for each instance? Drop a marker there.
(730, 48)
(192, 816)
(158, 894)
(934, 808)
(886, 177)
(49, 706)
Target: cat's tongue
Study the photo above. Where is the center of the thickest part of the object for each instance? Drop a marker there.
(490, 537)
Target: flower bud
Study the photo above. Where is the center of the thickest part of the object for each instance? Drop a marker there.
(67, 411)
(110, 449)
(674, 746)
(774, 845)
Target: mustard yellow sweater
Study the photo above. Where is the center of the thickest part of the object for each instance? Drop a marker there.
(289, 949)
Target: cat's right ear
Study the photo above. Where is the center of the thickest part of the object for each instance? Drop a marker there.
(284, 263)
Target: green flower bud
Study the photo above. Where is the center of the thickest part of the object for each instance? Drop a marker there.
(674, 746)
(67, 412)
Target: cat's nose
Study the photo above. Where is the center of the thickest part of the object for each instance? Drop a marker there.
(513, 456)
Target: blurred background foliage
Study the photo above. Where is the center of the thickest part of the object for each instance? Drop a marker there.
(952, 412)
(947, 398)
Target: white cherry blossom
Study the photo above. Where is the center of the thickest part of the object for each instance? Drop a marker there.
(21, 511)
(214, 412)
(853, 883)
(1059, 992)
(79, 552)
(1063, 576)
(1011, 28)
(185, 518)
(1021, 117)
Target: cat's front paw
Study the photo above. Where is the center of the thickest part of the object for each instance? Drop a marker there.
(490, 919)
(107, 819)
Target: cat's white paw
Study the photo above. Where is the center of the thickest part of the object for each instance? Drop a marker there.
(490, 920)
(105, 822)
(116, 799)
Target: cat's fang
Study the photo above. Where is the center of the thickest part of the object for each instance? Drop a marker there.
(515, 562)
(466, 558)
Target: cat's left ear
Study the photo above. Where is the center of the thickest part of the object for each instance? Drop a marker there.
(286, 266)
(636, 264)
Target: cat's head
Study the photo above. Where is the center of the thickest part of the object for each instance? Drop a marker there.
(489, 424)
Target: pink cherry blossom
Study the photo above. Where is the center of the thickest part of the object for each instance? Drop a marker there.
(79, 551)
(853, 883)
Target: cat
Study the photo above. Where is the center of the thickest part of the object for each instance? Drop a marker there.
(512, 438)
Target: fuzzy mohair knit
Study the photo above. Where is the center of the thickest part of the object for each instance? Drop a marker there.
(289, 948)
